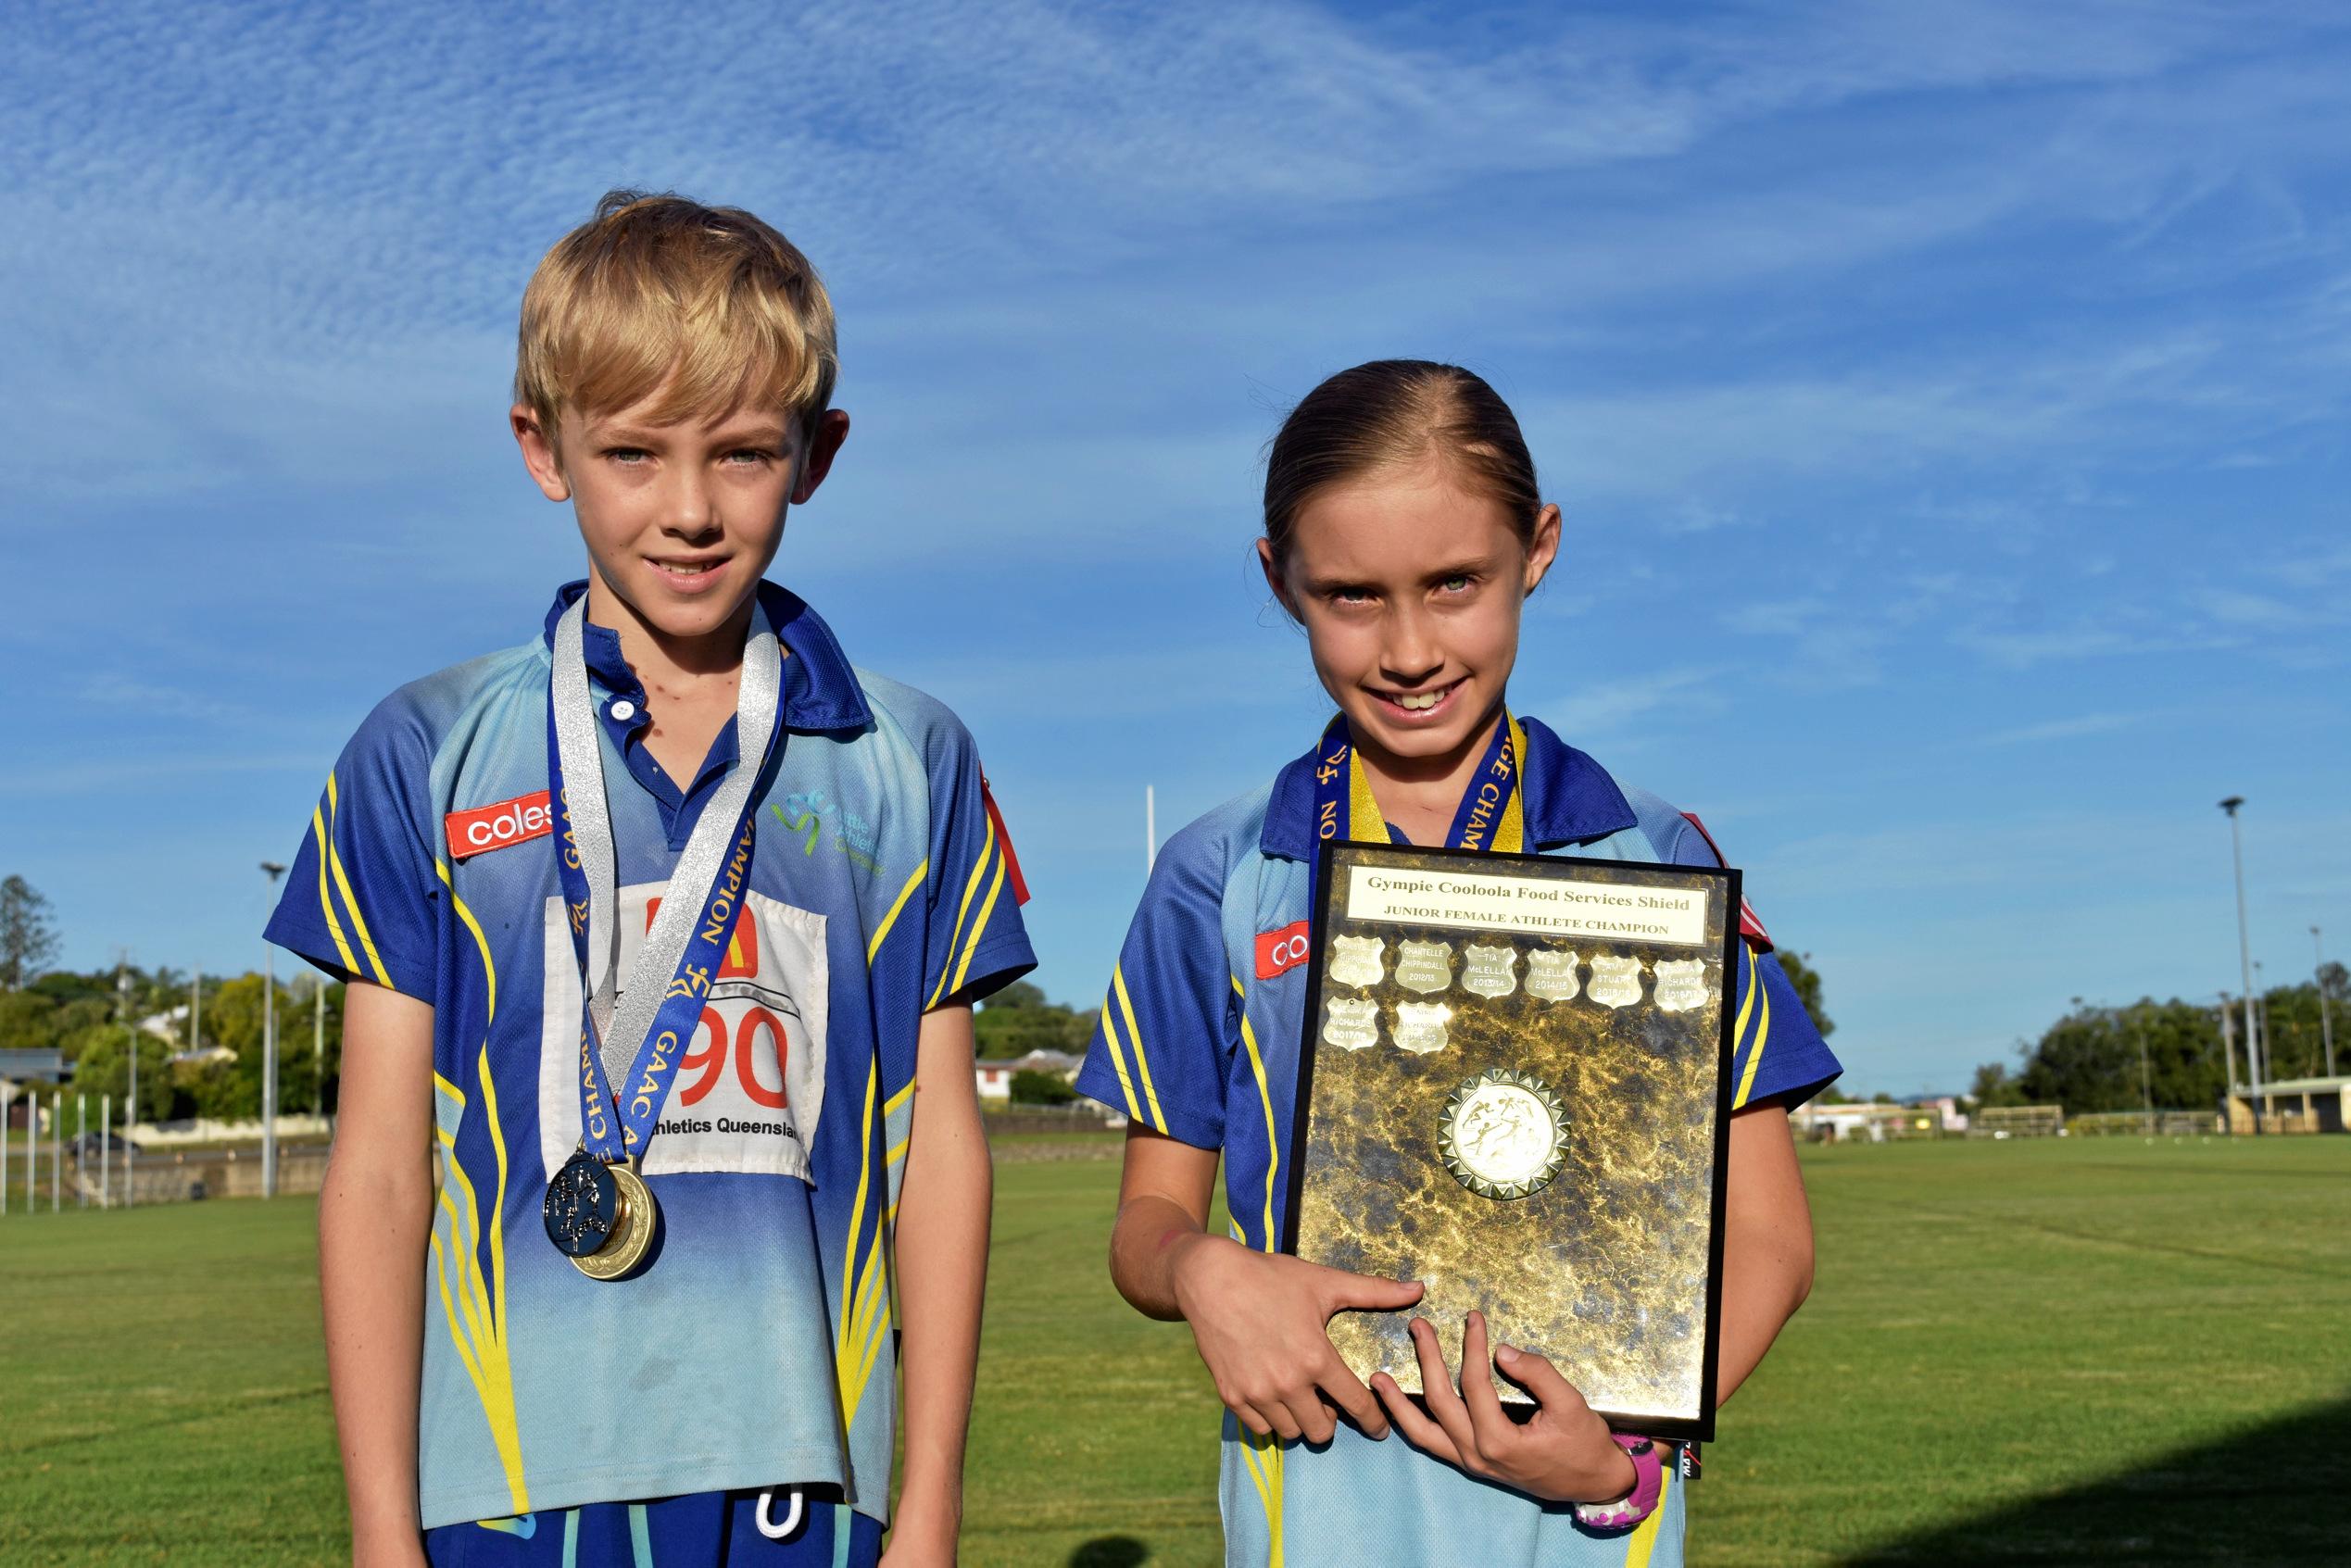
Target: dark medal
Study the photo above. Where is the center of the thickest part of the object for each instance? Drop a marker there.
(582, 1206)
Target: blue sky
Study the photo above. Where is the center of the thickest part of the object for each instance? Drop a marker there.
(1948, 404)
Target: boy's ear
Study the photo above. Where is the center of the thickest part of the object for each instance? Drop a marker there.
(823, 445)
(1274, 579)
(538, 453)
(1545, 547)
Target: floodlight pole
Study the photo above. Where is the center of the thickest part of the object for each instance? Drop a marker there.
(2245, 958)
(106, 1151)
(2326, 1015)
(2264, 1065)
(274, 871)
(131, 1104)
(81, 1150)
(8, 1097)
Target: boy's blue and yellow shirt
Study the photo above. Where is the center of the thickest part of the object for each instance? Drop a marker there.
(759, 1349)
(1199, 1039)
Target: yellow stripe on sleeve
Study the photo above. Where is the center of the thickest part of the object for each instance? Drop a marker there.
(1134, 1038)
(962, 912)
(326, 900)
(979, 926)
(1762, 1034)
(343, 885)
(1118, 1060)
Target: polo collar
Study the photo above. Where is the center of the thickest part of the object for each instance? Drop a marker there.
(821, 692)
(1570, 799)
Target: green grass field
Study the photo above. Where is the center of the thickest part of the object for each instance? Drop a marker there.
(2088, 1351)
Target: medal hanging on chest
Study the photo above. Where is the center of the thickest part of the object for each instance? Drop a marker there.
(599, 1212)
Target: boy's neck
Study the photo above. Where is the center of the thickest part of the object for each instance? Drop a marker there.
(661, 659)
(1421, 795)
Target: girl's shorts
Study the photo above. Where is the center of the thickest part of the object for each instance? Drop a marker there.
(702, 1530)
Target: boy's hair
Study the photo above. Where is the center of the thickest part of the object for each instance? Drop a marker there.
(1394, 413)
(706, 306)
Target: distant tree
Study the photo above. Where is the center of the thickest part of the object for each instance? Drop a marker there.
(1018, 1020)
(27, 1021)
(1993, 1086)
(1031, 1087)
(1807, 980)
(28, 938)
(102, 1066)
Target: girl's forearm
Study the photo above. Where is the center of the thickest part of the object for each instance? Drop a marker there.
(1149, 1239)
(374, 1218)
(1766, 1254)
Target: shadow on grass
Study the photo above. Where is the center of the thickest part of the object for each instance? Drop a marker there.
(1110, 1551)
(2273, 1494)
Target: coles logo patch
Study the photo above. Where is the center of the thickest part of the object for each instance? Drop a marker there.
(495, 827)
(1278, 952)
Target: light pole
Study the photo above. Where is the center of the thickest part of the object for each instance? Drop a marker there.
(2245, 953)
(2264, 1063)
(274, 871)
(2326, 1016)
(130, 1105)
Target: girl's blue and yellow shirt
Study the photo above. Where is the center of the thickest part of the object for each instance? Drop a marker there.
(1199, 1039)
(759, 1349)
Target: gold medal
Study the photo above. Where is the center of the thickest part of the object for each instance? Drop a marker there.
(635, 1219)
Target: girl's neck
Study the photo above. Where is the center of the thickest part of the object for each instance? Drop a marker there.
(1421, 795)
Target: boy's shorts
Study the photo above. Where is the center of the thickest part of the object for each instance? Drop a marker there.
(702, 1530)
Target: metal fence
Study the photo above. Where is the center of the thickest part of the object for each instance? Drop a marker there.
(62, 1179)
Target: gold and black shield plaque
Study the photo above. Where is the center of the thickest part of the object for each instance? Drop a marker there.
(1526, 1108)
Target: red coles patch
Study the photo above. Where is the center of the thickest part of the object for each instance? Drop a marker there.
(1278, 952)
(495, 827)
(1749, 926)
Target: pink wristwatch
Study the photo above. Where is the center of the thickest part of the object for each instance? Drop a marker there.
(1649, 1484)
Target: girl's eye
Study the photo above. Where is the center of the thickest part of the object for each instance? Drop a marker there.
(1351, 596)
(1457, 583)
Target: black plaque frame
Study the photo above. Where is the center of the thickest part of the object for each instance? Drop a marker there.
(1727, 881)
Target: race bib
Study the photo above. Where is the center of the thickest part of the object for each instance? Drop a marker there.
(751, 1085)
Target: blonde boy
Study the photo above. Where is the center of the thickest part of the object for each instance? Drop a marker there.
(633, 1223)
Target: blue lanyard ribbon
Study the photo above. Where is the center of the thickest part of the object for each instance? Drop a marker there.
(642, 1033)
(1491, 814)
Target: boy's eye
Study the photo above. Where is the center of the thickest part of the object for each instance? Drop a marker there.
(626, 455)
(746, 456)
(1457, 583)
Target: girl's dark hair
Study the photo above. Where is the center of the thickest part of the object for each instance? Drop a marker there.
(1392, 413)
